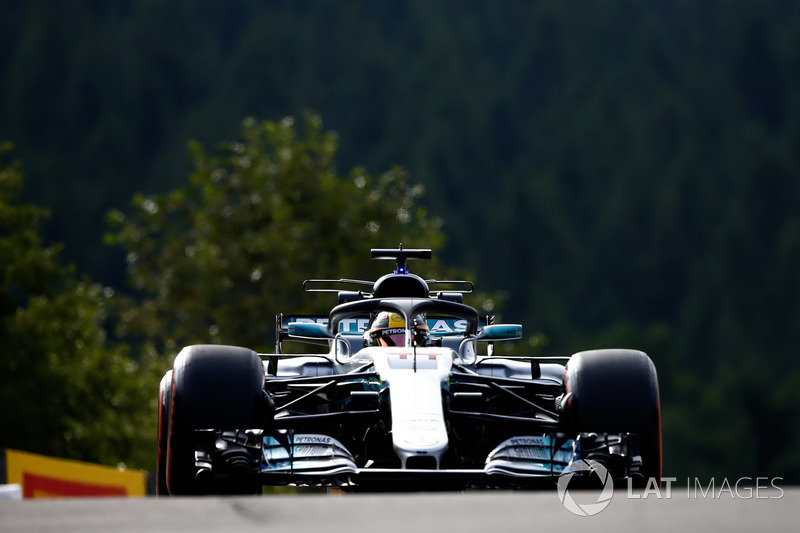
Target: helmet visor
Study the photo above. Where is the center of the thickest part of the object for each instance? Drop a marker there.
(390, 337)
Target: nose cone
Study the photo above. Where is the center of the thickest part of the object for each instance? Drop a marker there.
(415, 379)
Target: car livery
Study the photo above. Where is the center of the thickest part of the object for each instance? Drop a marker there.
(446, 413)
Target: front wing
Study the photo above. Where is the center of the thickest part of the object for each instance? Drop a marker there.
(525, 462)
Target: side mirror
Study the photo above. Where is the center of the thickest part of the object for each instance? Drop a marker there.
(309, 329)
(500, 332)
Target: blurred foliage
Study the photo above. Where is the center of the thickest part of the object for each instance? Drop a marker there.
(627, 172)
(216, 260)
(68, 390)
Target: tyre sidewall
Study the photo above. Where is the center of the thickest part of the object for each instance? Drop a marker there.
(164, 402)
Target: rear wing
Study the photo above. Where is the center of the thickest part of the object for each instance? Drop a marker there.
(349, 290)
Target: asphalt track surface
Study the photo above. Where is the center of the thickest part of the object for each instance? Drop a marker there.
(485, 512)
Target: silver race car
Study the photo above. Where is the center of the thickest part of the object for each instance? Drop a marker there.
(403, 391)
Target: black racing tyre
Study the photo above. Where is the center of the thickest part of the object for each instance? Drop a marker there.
(616, 391)
(213, 387)
(164, 402)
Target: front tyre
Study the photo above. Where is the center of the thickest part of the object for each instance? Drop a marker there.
(213, 387)
(616, 391)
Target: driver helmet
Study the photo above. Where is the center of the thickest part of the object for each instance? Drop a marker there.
(389, 329)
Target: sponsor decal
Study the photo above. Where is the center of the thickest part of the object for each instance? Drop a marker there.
(313, 439)
(48, 477)
(305, 453)
(357, 326)
(440, 326)
(529, 441)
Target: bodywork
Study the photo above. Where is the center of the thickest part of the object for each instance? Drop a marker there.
(450, 414)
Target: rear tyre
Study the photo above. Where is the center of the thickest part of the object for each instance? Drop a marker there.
(213, 387)
(616, 391)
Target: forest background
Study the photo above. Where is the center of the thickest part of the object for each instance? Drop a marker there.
(617, 173)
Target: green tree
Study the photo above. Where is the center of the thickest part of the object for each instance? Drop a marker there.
(68, 390)
(217, 259)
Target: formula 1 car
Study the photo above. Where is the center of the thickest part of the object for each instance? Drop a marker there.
(405, 393)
